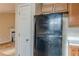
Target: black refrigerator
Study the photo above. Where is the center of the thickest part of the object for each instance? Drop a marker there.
(48, 35)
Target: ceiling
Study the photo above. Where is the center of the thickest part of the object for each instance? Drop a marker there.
(7, 8)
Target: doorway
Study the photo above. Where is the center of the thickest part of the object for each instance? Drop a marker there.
(7, 29)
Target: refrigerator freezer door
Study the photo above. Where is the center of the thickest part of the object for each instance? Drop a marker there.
(49, 24)
(55, 23)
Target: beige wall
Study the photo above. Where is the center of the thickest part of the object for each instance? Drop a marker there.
(7, 20)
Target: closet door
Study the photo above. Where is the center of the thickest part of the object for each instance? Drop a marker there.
(25, 25)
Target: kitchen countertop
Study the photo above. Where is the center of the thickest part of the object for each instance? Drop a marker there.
(73, 42)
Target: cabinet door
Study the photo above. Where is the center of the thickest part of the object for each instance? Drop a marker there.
(47, 8)
(60, 7)
(74, 15)
(73, 51)
(38, 9)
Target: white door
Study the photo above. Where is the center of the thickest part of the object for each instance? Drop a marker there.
(25, 29)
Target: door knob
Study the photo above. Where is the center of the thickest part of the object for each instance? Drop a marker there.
(27, 39)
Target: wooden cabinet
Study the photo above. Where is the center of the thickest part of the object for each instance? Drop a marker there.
(73, 15)
(38, 9)
(74, 50)
(47, 8)
(60, 7)
(54, 7)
